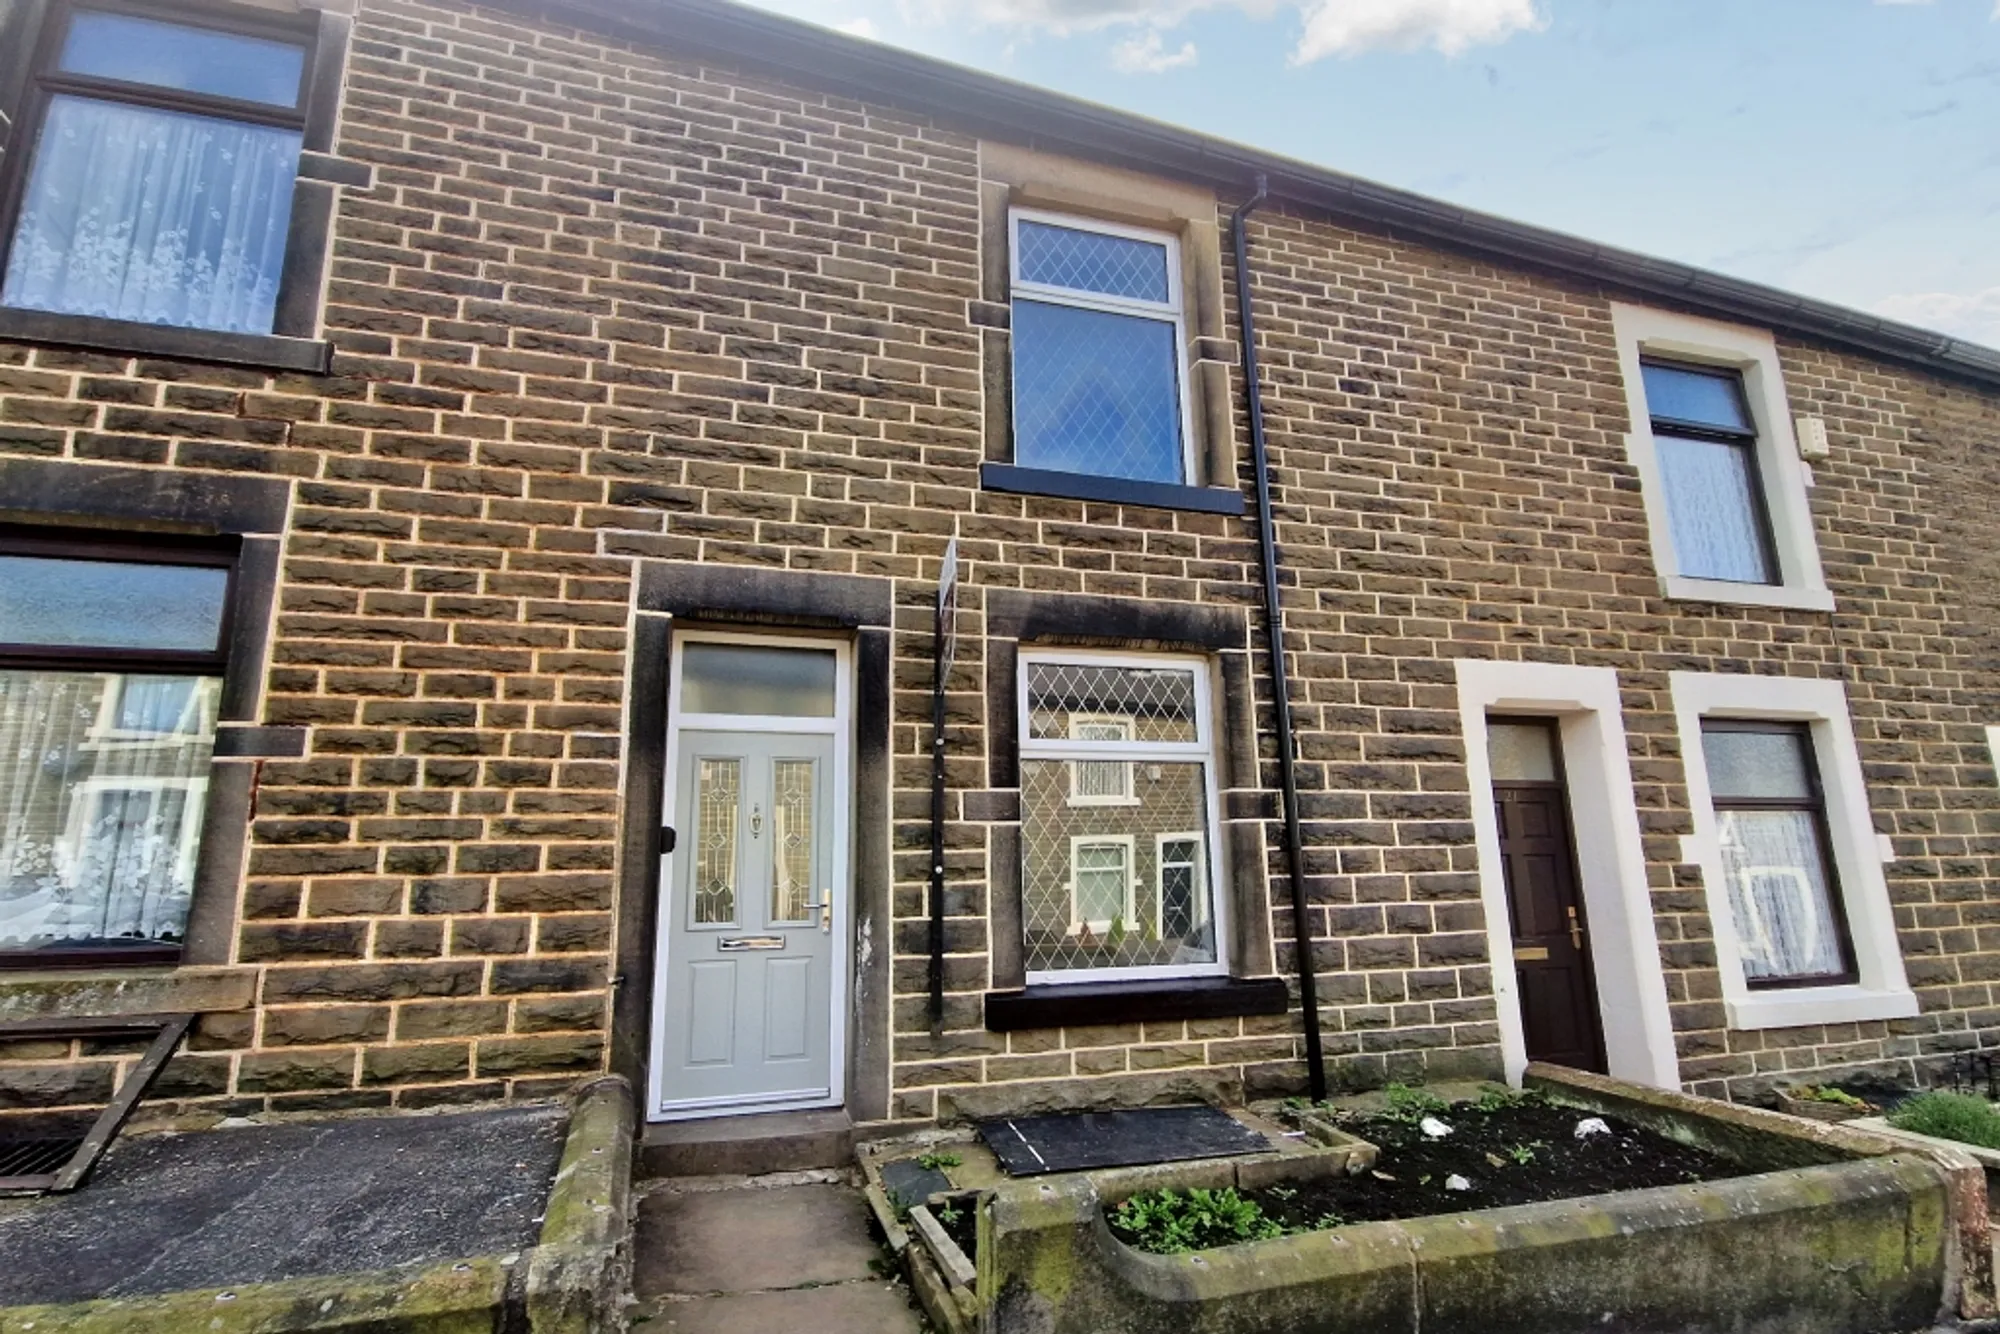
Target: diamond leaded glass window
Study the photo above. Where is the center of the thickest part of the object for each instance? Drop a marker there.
(1097, 347)
(1116, 818)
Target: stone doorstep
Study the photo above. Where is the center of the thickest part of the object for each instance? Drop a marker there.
(755, 1145)
(572, 1281)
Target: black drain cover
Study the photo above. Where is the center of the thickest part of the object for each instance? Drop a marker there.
(1032, 1145)
(35, 1157)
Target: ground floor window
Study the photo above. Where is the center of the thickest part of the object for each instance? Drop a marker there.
(1117, 818)
(111, 661)
(1790, 858)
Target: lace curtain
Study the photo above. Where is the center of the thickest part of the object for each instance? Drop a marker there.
(1713, 510)
(102, 783)
(157, 216)
(1781, 895)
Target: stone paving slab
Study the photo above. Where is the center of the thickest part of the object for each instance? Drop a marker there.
(871, 1307)
(753, 1259)
(751, 1240)
(261, 1204)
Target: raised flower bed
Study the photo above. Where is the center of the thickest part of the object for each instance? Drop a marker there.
(1681, 1214)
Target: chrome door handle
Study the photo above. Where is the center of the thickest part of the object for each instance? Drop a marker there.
(825, 906)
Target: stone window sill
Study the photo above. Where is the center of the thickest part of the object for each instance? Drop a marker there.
(40, 996)
(1804, 1006)
(1788, 596)
(258, 351)
(1134, 1002)
(1113, 490)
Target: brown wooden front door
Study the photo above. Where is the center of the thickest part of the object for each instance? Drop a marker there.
(1551, 943)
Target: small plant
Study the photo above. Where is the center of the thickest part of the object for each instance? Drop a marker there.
(1523, 1154)
(1409, 1105)
(937, 1162)
(1828, 1093)
(1283, 1193)
(1957, 1116)
(1171, 1222)
(949, 1214)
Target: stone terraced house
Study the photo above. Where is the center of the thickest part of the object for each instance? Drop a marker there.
(481, 486)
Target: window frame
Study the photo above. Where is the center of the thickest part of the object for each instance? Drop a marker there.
(1881, 988)
(292, 343)
(1643, 334)
(1125, 843)
(1675, 428)
(1172, 311)
(1814, 805)
(213, 553)
(1201, 750)
(1125, 795)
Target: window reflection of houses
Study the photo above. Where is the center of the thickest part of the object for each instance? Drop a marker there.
(100, 814)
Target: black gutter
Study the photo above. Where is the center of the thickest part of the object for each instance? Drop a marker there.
(1274, 631)
(977, 103)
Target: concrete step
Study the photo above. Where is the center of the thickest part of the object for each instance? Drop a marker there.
(746, 1145)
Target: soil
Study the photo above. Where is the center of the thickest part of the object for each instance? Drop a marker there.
(1517, 1154)
(963, 1226)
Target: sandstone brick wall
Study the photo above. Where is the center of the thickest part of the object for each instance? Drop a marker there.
(603, 304)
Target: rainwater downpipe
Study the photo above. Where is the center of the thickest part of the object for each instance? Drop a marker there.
(1274, 630)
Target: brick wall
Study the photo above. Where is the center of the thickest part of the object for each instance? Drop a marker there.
(602, 305)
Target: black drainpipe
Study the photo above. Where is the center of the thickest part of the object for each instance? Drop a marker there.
(1274, 630)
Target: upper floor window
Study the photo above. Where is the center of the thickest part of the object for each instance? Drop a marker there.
(158, 183)
(1099, 362)
(111, 663)
(1117, 818)
(1720, 475)
(1707, 449)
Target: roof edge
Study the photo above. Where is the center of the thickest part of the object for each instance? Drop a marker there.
(1039, 117)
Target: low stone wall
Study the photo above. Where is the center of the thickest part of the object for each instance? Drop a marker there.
(1839, 1233)
(572, 1281)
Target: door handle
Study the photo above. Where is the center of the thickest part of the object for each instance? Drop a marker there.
(1575, 931)
(825, 906)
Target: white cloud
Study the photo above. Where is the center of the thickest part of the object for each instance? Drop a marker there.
(1148, 54)
(1348, 27)
(1970, 315)
(859, 27)
(1328, 27)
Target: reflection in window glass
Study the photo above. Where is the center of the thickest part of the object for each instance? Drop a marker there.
(99, 828)
(194, 60)
(1113, 876)
(1710, 398)
(111, 604)
(754, 679)
(1096, 392)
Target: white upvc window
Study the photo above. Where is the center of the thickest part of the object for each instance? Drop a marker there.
(1117, 885)
(1790, 860)
(1099, 348)
(1719, 467)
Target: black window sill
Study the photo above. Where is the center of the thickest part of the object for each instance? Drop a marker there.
(1134, 1002)
(148, 955)
(1116, 490)
(258, 351)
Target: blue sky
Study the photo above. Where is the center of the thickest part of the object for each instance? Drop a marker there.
(1846, 149)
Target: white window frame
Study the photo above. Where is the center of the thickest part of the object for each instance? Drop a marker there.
(1201, 750)
(1160, 842)
(86, 796)
(1993, 745)
(1129, 846)
(1124, 796)
(1171, 311)
(1643, 332)
(1882, 990)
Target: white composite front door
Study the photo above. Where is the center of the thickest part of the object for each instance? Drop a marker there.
(751, 913)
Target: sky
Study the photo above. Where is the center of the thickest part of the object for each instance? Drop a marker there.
(1843, 149)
